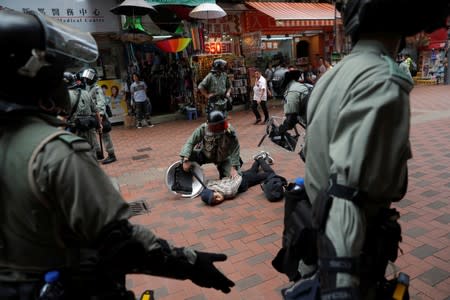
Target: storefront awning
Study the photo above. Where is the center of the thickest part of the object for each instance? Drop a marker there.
(290, 14)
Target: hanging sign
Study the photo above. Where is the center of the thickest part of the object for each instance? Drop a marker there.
(90, 16)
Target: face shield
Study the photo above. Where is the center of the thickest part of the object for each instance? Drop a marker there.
(63, 45)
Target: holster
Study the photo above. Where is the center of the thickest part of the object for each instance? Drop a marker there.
(299, 238)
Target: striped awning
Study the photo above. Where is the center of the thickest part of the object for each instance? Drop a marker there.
(291, 14)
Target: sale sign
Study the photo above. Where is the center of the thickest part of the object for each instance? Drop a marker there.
(218, 47)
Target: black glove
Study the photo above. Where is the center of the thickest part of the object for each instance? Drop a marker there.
(205, 274)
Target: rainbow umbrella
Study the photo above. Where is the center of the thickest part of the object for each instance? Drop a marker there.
(173, 45)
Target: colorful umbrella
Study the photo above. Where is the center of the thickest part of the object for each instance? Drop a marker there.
(173, 45)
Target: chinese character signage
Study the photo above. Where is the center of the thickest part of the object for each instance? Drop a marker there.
(85, 15)
(180, 2)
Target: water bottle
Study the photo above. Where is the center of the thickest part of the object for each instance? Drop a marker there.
(52, 289)
(299, 184)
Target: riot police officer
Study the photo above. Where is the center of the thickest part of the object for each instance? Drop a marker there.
(216, 87)
(58, 209)
(83, 111)
(219, 145)
(357, 146)
(89, 75)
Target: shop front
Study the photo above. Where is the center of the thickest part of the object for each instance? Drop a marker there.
(296, 33)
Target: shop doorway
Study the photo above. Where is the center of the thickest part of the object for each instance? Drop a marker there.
(302, 49)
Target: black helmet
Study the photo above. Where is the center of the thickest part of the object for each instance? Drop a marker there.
(34, 50)
(216, 122)
(366, 16)
(219, 65)
(70, 80)
(89, 75)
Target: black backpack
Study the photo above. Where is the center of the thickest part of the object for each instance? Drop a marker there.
(273, 187)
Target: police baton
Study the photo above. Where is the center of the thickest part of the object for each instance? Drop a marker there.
(100, 135)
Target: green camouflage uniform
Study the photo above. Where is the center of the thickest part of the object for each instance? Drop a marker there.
(101, 101)
(86, 107)
(55, 199)
(221, 149)
(358, 128)
(217, 84)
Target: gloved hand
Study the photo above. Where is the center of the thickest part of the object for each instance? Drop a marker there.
(205, 274)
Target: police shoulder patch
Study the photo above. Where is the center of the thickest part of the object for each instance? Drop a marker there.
(77, 143)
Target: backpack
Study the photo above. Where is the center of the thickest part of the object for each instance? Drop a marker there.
(413, 68)
(273, 187)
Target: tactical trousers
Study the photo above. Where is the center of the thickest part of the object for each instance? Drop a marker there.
(224, 167)
(107, 144)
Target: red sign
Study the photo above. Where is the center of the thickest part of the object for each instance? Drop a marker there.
(218, 47)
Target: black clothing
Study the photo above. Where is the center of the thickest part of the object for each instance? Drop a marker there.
(253, 176)
(263, 107)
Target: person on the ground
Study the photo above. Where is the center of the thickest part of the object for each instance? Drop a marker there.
(60, 211)
(82, 106)
(355, 168)
(138, 90)
(214, 141)
(260, 97)
(90, 78)
(227, 188)
(216, 87)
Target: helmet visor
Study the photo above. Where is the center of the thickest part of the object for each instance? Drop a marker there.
(68, 41)
(88, 73)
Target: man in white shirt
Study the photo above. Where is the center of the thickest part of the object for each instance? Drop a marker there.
(260, 97)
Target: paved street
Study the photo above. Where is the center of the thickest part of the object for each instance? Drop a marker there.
(249, 228)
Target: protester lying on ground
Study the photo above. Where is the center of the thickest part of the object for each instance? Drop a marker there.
(218, 191)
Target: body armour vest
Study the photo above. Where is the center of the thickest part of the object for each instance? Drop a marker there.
(217, 147)
(29, 243)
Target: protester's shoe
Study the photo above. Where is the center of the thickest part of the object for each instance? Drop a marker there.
(150, 124)
(257, 121)
(261, 154)
(269, 158)
(110, 159)
(100, 156)
(139, 125)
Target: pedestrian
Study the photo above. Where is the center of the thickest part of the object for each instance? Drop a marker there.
(90, 78)
(227, 188)
(60, 211)
(404, 66)
(138, 91)
(355, 168)
(260, 97)
(268, 74)
(216, 88)
(214, 141)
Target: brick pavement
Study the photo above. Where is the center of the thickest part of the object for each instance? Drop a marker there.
(248, 229)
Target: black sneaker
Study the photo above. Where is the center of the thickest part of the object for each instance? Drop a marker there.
(100, 156)
(110, 159)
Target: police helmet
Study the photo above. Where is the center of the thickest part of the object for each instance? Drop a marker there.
(216, 122)
(34, 50)
(219, 65)
(399, 16)
(89, 75)
(70, 80)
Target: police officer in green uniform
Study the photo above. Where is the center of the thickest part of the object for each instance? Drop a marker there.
(214, 141)
(357, 145)
(295, 97)
(58, 209)
(95, 91)
(216, 87)
(82, 105)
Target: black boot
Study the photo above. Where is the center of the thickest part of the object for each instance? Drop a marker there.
(110, 159)
(100, 156)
